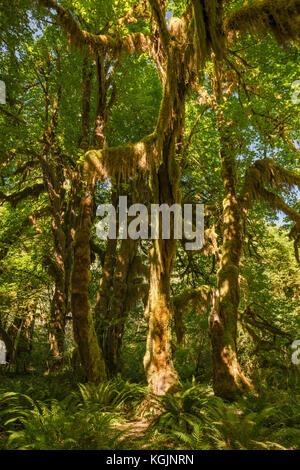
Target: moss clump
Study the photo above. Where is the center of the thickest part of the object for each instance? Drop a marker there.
(125, 161)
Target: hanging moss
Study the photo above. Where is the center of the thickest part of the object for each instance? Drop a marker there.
(177, 29)
(266, 173)
(280, 17)
(125, 161)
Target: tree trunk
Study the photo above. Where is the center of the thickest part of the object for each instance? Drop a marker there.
(158, 361)
(57, 327)
(53, 177)
(19, 347)
(229, 381)
(83, 326)
(112, 302)
(102, 307)
(118, 303)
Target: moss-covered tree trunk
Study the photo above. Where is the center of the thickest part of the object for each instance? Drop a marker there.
(105, 288)
(19, 336)
(53, 177)
(158, 360)
(118, 306)
(60, 261)
(102, 307)
(229, 380)
(83, 325)
(112, 303)
(56, 262)
(57, 324)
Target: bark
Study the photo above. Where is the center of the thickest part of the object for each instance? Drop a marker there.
(69, 230)
(112, 301)
(53, 180)
(104, 292)
(97, 44)
(281, 18)
(229, 381)
(31, 191)
(158, 361)
(83, 325)
(57, 311)
(117, 307)
(198, 300)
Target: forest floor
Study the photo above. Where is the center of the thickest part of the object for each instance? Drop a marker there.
(59, 412)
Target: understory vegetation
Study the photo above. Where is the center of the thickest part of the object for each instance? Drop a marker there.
(56, 413)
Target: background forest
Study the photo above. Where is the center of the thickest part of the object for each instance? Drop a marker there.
(134, 344)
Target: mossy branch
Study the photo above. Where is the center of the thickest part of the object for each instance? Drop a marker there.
(265, 173)
(208, 32)
(96, 249)
(11, 115)
(123, 162)
(161, 22)
(277, 203)
(255, 319)
(31, 191)
(97, 43)
(279, 17)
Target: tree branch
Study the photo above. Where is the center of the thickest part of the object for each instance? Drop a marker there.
(123, 161)
(17, 197)
(281, 18)
(161, 23)
(265, 172)
(97, 43)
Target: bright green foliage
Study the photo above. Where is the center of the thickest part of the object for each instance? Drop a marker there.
(42, 410)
